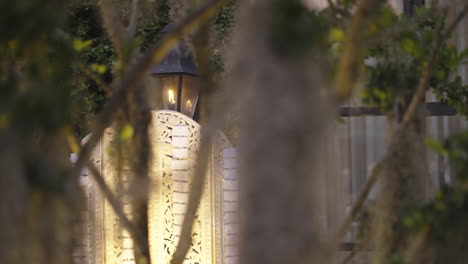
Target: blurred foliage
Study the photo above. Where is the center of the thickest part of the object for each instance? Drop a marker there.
(443, 219)
(34, 72)
(395, 66)
(43, 93)
(223, 25)
(84, 24)
(392, 70)
(347, 3)
(96, 51)
(35, 88)
(297, 29)
(224, 22)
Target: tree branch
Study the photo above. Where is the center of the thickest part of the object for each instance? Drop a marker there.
(348, 66)
(209, 123)
(141, 119)
(99, 179)
(407, 117)
(137, 236)
(196, 190)
(93, 76)
(332, 6)
(113, 25)
(398, 28)
(131, 29)
(360, 201)
(358, 249)
(450, 29)
(424, 82)
(136, 74)
(451, 3)
(416, 245)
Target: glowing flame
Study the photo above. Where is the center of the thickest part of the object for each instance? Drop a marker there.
(189, 105)
(170, 96)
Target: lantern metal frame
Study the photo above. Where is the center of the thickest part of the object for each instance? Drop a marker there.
(179, 63)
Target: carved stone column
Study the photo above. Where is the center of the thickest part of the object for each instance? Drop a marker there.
(175, 140)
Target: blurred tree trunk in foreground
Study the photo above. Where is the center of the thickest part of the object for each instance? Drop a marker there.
(403, 188)
(283, 117)
(39, 199)
(40, 202)
(284, 58)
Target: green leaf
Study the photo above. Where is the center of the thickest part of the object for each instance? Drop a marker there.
(410, 46)
(386, 17)
(440, 75)
(80, 45)
(4, 121)
(336, 35)
(126, 132)
(435, 145)
(340, 120)
(408, 222)
(100, 68)
(396, 258)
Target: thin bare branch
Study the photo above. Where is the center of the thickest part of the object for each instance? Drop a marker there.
(84, 68)
(94, 77)
(424, 82)
(198, 181)
(423, 85)
(210, 121)
(136, 74)
(113, 201)
(132, 25)
(347, 74)
(137, 236)
(332, 6)
(209, 124)
(415, 248)
(360, 201)
(141, 119)
(378, 168)
(113, 25)
(450, 3)
(451, 28)
(407, 118)
(355, 252)
(398, 28)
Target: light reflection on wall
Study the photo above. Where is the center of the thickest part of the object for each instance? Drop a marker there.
(175, 141)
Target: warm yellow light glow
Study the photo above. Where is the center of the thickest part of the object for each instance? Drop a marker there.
(170, 96)
(189, 105)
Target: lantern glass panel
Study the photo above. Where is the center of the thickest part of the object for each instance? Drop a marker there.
(190, 92)
(170, 90)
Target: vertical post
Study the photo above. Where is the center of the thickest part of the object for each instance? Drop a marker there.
(80, 252)
(230, 206)
(410, 6)
(179, 92)
(180, 177)
(128, 249)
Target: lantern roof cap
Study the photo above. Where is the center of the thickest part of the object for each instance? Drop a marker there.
(179, 60)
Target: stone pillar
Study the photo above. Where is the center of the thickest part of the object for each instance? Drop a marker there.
(230, 205)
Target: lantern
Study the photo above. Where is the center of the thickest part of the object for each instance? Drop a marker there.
(179, 79)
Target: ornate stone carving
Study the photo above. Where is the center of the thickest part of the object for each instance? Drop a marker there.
(174, 170)
(175, 140)
(165, 121)
(104, 236)
(221, 143)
